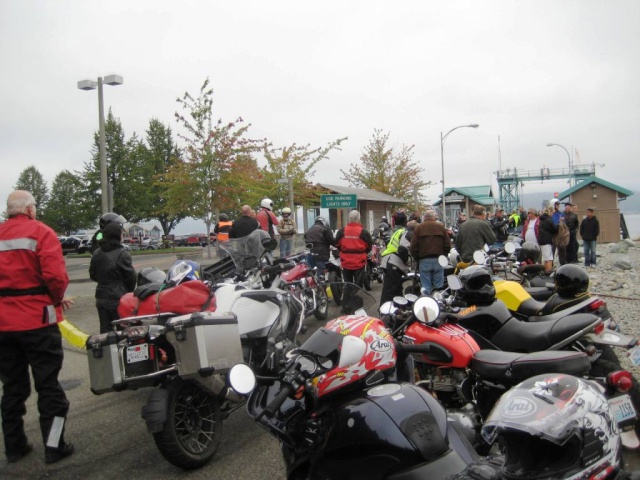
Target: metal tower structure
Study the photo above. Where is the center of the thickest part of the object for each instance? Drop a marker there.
(511, 181)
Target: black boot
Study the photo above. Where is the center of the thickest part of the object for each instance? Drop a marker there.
(53, 455)
(13, 457)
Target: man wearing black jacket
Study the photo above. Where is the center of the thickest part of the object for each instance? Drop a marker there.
(589, 231)
(245, 224)
(572, 222)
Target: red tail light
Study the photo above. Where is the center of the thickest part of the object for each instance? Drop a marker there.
(599, 328)
(595, 305)
(621, 380)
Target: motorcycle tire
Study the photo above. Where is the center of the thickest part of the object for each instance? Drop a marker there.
(322, 304)
(193, 430)
(367, 278)
(601, 368)
(336, 287)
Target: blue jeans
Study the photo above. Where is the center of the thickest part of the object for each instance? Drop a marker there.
(589, 248)
(285, 247)
(431, 274)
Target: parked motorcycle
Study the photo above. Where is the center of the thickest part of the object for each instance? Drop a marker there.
(337, 416)
(187, 357)
(305, 284)
(468, 380)
(373, 272)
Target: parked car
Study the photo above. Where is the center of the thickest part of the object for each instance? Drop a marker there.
(69, 244)
(85, 246)
(150, 244)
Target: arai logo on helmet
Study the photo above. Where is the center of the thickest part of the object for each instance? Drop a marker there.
(380, 345)
(518, 407)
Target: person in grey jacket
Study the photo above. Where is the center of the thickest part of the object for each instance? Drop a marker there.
(112, 268)
(321, 239)
(474, 234)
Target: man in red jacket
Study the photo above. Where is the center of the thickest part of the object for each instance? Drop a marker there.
(354, 242)
(33, 279)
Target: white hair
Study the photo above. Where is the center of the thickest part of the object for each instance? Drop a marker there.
(354, 216)
(18, 201)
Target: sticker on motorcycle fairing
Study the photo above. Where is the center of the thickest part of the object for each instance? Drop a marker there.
(469, 310)
(518, 407)
(381, 345)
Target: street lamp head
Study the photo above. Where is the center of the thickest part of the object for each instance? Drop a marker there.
(474, 125)
(87, 85)
(113, 80)
(550, 144)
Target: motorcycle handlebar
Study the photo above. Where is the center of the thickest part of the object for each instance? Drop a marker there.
(277, 402)
(411, 348)
(281, 267)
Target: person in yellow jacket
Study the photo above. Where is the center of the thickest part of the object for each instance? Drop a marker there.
(394, 260)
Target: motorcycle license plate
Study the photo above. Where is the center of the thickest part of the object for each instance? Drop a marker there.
(634, 355)
(138, 353)
(622, 408)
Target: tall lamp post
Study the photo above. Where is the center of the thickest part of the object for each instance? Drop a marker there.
(107, 200)
(442, 139)
(568, 156)
(289, 180)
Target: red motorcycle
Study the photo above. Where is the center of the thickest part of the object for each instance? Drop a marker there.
(303, 282)
(468, 379)
(372, 268)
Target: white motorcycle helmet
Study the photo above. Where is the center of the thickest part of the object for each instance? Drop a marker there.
(454, 258)
(555, 426)
(267, 203)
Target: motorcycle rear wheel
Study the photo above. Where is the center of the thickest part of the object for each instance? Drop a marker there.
(367, 278)
(322, 304)
(336, 287)
(192, 432)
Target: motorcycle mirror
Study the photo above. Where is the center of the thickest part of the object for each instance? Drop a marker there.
(242, 379)
(478, 257)
(387, 308)
(454, 282)
(509, 247)
(400, 301)
(426, 310)
(353, 349)
(250, 262)
(443, 261)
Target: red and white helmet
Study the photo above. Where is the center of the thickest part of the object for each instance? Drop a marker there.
(377, 352)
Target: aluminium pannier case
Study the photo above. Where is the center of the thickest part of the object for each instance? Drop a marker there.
(105, 370)
(205, 343)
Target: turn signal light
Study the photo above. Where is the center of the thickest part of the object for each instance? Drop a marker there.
(595, 305)
(599, 328)
(621, 380)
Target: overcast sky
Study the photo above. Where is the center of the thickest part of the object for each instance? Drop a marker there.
(529, 72)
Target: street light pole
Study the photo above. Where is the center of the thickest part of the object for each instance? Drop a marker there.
(442, 139)
(289, 181)
(107, 196)
(569, 157)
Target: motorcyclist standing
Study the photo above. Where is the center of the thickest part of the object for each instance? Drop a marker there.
(321, 239)
(500, 226)
(394, 260)
(105, 219)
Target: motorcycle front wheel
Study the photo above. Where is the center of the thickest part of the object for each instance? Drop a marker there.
(322, 304)
(192, 432)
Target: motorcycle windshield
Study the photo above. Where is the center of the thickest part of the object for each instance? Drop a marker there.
(323, 343)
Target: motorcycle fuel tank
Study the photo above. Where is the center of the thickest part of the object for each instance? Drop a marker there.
(296, 273)
(450, 345)
(256, 310)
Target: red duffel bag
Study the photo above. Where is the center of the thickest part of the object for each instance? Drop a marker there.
(188, 297)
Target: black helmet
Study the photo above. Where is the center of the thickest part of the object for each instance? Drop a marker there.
(529, 252)
(111, 217)
(571, 281)
(477, 286)
(223, 217)
(401, 218)
(150, 275)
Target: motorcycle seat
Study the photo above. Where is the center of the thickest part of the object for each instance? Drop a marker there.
(510, 367)
(538, 311)
(519, 336)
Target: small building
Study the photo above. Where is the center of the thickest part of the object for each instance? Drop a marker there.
(463, 199)
(371, 204)
(604, 197)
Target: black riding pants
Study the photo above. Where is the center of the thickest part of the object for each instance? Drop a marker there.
(40, 349)
(392, 284)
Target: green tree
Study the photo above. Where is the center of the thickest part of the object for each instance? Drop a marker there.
(31, 179)
(63, 212)
(195, 185)
(386, 169)
(297, 162)
(163, 153)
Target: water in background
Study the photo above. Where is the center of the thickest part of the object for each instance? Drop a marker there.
(633, 224)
